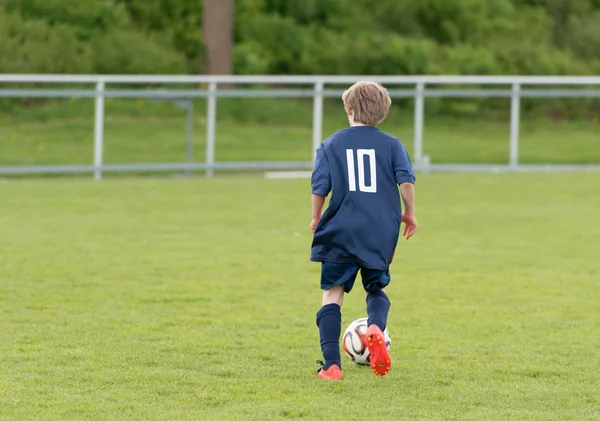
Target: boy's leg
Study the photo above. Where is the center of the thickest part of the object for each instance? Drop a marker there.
(336, 278)
(378, 306)
(329, 321)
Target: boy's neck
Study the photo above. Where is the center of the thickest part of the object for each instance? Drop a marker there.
(358, 125)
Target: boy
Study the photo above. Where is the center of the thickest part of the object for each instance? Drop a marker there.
(363, 167)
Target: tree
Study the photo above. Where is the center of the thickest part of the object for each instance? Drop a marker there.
(217, 33)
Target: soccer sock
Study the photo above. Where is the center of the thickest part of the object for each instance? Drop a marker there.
(329, 321)
(378, 306)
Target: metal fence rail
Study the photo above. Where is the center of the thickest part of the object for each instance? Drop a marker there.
(315, 88)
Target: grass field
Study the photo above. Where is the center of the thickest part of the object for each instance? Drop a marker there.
(194, 299)
(266, 130)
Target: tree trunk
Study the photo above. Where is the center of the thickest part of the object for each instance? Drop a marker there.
(217, 33)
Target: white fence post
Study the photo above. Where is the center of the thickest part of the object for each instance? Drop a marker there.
(317, 135)
(99, 130)
(211, 126)
(515, 111)
(419, 121)
(189, 135)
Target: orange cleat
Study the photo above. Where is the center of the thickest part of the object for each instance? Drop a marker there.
(333, 373)
(379, 356)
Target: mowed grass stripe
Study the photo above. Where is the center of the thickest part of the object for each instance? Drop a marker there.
(273, 130)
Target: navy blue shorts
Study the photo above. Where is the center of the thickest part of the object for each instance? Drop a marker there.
(344, 274)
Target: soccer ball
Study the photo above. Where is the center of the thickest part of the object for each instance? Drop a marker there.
(355, 341)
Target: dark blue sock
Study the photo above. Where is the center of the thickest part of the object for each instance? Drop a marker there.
(378, 307)
(329, 321)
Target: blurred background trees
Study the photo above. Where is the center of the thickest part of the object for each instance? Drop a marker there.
(217, 37)
(301, 36)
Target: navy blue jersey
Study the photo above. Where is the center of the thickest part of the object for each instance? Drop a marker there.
(362, 167)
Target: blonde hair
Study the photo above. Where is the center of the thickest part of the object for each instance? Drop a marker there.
(369, 101)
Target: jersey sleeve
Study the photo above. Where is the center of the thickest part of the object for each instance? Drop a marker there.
(402, 166)
(321, 176)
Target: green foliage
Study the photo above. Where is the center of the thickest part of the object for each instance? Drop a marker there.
(583, 35)
(34, 45)
(69, 36)
(524, 37)
(177, 21)
(306, 36)
(85, 16)
(284, 43)
(113, 54)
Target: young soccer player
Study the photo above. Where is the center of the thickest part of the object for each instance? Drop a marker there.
(362, 167)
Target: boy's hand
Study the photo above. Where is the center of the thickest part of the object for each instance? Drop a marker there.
(410, 225)
(313, 224)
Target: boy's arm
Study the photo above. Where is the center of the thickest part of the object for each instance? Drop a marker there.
(318, 202)
(405, 177)
(407, 191)
(321, 186)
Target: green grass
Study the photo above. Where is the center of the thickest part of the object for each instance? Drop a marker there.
(194, 299)
(138, 131)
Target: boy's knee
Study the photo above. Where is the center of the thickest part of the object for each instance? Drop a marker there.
(334, 295)
(375, 292)
(329, 310)
(380, 293)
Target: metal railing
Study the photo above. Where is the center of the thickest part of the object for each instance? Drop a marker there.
(513, 89)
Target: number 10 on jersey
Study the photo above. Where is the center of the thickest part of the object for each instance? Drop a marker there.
(360, 157)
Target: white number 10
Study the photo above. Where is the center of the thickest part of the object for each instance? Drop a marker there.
(360, 156)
